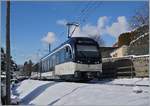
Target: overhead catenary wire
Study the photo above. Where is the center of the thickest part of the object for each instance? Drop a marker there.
(91, 11)
(76, 17)
(86, 12)
(82, 13)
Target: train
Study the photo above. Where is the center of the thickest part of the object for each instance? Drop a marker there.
(79, 58)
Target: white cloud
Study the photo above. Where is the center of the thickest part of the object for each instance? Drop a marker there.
(50, 38)
(92, 31)
(115, 29)
(101, 28)
(86, 31)
(62, 22)
(101, 23)
(118, 27)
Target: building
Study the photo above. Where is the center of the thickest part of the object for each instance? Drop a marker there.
(115, 44)
(135, 42)
(105, 51)
(120, 52)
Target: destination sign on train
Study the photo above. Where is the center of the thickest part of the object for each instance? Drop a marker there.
(85, 41)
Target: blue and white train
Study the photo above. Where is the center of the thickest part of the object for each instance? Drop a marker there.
(77, 58)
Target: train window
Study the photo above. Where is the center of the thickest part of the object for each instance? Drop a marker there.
(47, 65)
(67, 49)
(53, 60)
(57, 58)
(62, 55)
(68, 54)
(64, 52)
(50, 59)
(86, 48)
(50, 62)
(42, 66)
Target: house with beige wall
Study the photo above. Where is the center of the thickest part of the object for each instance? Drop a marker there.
(120, 52)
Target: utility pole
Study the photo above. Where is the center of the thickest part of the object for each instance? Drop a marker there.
(8, 95)
(49, 47)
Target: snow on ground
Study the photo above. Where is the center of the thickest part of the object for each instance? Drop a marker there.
(130, 81)
(69, 93)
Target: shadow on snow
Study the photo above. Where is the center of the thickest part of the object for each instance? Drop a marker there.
(36, 92)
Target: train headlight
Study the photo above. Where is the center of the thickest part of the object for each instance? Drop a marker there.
(79, 61)
(97, 62)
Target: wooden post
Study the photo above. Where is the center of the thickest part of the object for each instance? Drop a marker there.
(8, 94)
(131, 67)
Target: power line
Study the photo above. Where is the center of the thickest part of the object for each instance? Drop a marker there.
(82, 12)
(91, 12)
(87, 11)
(81, 15)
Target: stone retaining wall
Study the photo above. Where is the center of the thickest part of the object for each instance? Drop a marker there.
(134, 67)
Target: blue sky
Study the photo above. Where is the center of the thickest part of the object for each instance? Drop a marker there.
(31, 21)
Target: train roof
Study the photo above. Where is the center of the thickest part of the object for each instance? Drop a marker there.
(72, 39)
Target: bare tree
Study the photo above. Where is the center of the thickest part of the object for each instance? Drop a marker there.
(30, 67)
(99, 40)
(25, 68)
(141, 16)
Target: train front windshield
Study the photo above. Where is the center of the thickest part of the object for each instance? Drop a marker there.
(88, 52)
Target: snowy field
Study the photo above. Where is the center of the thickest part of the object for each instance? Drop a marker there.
(118, 92)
